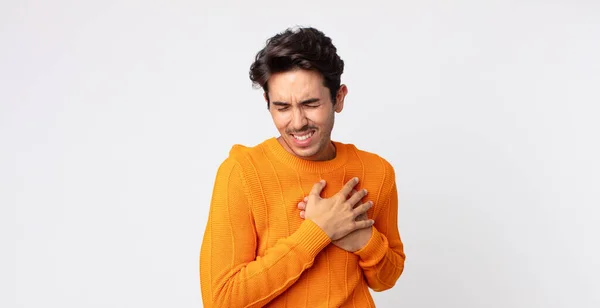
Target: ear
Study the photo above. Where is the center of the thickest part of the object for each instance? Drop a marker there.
(339, 98)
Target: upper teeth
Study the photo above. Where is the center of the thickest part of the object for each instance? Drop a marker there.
(303, 137)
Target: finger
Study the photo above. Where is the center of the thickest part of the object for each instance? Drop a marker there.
(302, 206)
(362, 216)
(352, 193)
(348, 186)
(302, 214)
(362, 209)
(318, 188)
(357, 197)
(305, 199)
(364, 224)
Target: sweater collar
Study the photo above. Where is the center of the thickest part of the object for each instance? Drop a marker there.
(277, 151)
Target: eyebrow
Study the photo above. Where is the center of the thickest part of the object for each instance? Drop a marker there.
(304, 102)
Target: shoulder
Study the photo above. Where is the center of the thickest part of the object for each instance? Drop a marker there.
(242, 156)
(381, 169)
(373, 161)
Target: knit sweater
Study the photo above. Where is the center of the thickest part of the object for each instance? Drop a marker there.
(258, 252)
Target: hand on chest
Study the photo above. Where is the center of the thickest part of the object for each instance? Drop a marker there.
(278, 216)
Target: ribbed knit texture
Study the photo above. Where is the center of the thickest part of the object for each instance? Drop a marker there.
(258, 252)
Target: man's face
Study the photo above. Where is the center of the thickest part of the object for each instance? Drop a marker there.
(303, 112)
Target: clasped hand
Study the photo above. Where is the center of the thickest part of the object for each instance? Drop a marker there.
(341, 216)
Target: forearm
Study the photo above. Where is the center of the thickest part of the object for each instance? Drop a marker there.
(382, 258)
(256, 282)
(382, 262)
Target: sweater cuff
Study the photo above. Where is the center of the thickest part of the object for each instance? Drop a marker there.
(374, 251)
(311, 238)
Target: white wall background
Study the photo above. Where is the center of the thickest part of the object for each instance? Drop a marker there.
(114, 116)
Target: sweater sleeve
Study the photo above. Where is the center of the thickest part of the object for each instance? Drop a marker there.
(382, 258)
(231, 274)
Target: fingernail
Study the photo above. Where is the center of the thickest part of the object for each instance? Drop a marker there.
(356, 179)
(365, 190)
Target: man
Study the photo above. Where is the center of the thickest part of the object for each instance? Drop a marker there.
(290, 224)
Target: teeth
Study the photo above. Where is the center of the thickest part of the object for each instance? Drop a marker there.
(304, 137)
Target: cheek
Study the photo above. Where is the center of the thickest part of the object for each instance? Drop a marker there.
(280, 120)
(320, 118)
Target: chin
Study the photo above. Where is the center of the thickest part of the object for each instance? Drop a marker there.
(304, 151)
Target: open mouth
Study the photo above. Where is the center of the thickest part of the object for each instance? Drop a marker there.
(304, 136)
(303, 139)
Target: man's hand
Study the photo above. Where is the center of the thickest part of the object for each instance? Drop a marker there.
(337, 216)
(355, 240)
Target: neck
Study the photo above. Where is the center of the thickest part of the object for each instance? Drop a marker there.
(335, 157)
(325, 154)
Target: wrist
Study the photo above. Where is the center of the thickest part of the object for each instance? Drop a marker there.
(321, 225)
(374, 251)
(363, 239)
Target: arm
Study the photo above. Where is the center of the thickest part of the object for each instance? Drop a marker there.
(231, 274)
(382, 259)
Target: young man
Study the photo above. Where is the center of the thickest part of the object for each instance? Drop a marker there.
(301, 220)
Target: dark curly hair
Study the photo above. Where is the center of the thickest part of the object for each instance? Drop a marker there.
(304, 48)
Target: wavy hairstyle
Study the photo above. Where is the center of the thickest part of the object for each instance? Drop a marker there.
(305, 48)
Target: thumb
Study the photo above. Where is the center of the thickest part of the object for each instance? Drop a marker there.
(318, 188)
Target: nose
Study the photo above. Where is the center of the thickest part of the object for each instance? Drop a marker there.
(299, 120)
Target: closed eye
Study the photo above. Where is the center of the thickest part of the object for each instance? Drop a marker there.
(281, 106)
(309, 103)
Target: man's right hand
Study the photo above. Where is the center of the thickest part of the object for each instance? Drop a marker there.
(337, 215)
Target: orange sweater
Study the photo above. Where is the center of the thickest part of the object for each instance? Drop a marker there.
(258, 252)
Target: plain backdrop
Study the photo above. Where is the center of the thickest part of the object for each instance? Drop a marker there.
(114, 116)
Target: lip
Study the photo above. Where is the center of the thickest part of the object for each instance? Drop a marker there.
(302, 143)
